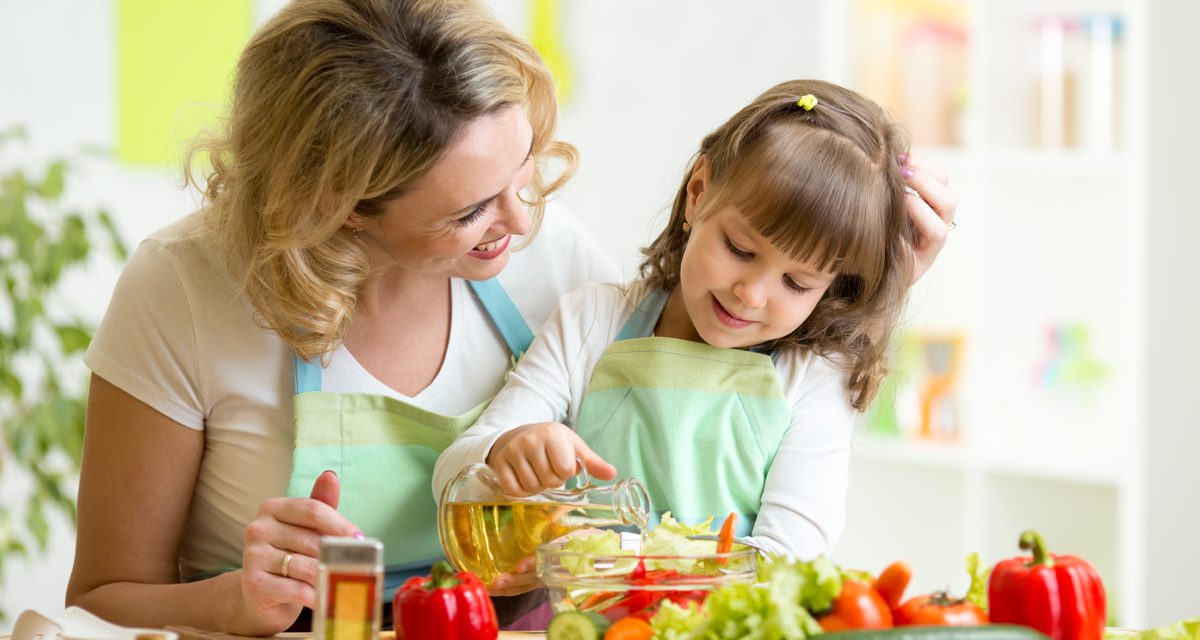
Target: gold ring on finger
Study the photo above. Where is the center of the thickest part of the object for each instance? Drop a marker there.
(283, 568)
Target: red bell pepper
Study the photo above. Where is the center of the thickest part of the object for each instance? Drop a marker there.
(1059, 595)
(640, 600)
(446, 606)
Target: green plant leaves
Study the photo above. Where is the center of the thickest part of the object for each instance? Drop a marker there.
(54, 180)
(73, 338)
(118, 246)
(41, 411)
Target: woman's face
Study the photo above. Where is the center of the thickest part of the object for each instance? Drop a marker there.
(458, 219)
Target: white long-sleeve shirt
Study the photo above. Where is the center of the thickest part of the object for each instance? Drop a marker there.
(803, 502)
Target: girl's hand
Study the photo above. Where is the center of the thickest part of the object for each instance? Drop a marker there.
(931, 209)
(541, 456)
(287, 533)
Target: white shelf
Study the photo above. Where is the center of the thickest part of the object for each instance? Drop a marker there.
(949, 455)
(1029, 159)
(1057, 161)
(963, 458)
(1048, 240)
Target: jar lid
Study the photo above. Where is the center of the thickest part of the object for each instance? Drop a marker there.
(337, 550)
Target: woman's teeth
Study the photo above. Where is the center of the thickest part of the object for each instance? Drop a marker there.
(490, 246)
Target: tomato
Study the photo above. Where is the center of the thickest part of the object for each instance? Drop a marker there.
(939, 609)
(858, 606)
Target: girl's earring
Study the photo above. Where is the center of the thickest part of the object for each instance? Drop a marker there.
(354, 233)
(687, 226)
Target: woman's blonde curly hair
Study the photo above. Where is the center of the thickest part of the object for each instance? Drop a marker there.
(338, 107)
(823, 185)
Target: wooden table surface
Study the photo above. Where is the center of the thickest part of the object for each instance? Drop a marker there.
(186, 633)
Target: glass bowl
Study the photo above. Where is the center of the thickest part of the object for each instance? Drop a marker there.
(618, 586)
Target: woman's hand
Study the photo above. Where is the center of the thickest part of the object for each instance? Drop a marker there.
(931, 209)
(541, 456)
(279, 560)
(522, 578)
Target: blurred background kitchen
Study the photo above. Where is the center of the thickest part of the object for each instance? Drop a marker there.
(1042, 377)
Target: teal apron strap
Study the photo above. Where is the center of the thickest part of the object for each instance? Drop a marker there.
(499, 307)
(504, 314)
(307, 375)
(645, 316)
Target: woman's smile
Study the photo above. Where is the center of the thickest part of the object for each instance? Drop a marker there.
(490, 250)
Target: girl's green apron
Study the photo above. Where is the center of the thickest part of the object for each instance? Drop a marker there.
(384, 450)
(699, 425)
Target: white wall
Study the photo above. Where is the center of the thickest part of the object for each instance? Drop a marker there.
(1173, 438)
(651, 78)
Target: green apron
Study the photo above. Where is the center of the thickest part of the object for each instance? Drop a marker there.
(699, 425)
(384, 450)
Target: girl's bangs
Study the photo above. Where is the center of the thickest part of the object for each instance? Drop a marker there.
(816, 197)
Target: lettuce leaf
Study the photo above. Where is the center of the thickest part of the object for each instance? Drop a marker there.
(675, 622)
(604, 543)
(771, 610)
(670, 538)
(1182, 630)
(977, 593)
(820, 579)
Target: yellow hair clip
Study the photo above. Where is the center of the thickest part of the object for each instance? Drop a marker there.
(807, 102)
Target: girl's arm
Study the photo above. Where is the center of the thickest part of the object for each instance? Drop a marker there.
(139, 471)
(803, 505)
(527, 415)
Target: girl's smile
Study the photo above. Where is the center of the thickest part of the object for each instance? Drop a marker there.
(728, 319)
(736, 289)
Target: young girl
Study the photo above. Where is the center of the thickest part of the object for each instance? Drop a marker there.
(727, 377)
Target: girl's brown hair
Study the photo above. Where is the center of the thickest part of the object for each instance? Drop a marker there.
(340, 106)
(823, 185)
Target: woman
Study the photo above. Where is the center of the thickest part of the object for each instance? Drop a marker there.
(351, 274)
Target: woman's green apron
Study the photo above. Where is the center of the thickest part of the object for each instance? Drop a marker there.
(384, 450)
(699, 425)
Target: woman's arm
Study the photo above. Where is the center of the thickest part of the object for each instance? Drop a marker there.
(139, 470)
(135, 490)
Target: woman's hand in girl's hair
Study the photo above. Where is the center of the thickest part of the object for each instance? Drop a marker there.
(541, 456)
(931, 209)
(285, 538)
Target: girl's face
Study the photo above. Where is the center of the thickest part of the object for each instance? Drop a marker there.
(736, 289)
(458, 219)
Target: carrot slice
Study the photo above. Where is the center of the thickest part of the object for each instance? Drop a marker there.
(892, 582)
(725, 538)
(629, 629)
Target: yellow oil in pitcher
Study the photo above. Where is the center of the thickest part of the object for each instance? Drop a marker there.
(490, 538)
(488, 533)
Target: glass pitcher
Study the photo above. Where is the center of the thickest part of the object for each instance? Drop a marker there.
(487, 532)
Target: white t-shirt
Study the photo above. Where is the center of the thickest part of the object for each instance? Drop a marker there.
(179, 336)
(803, 503)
